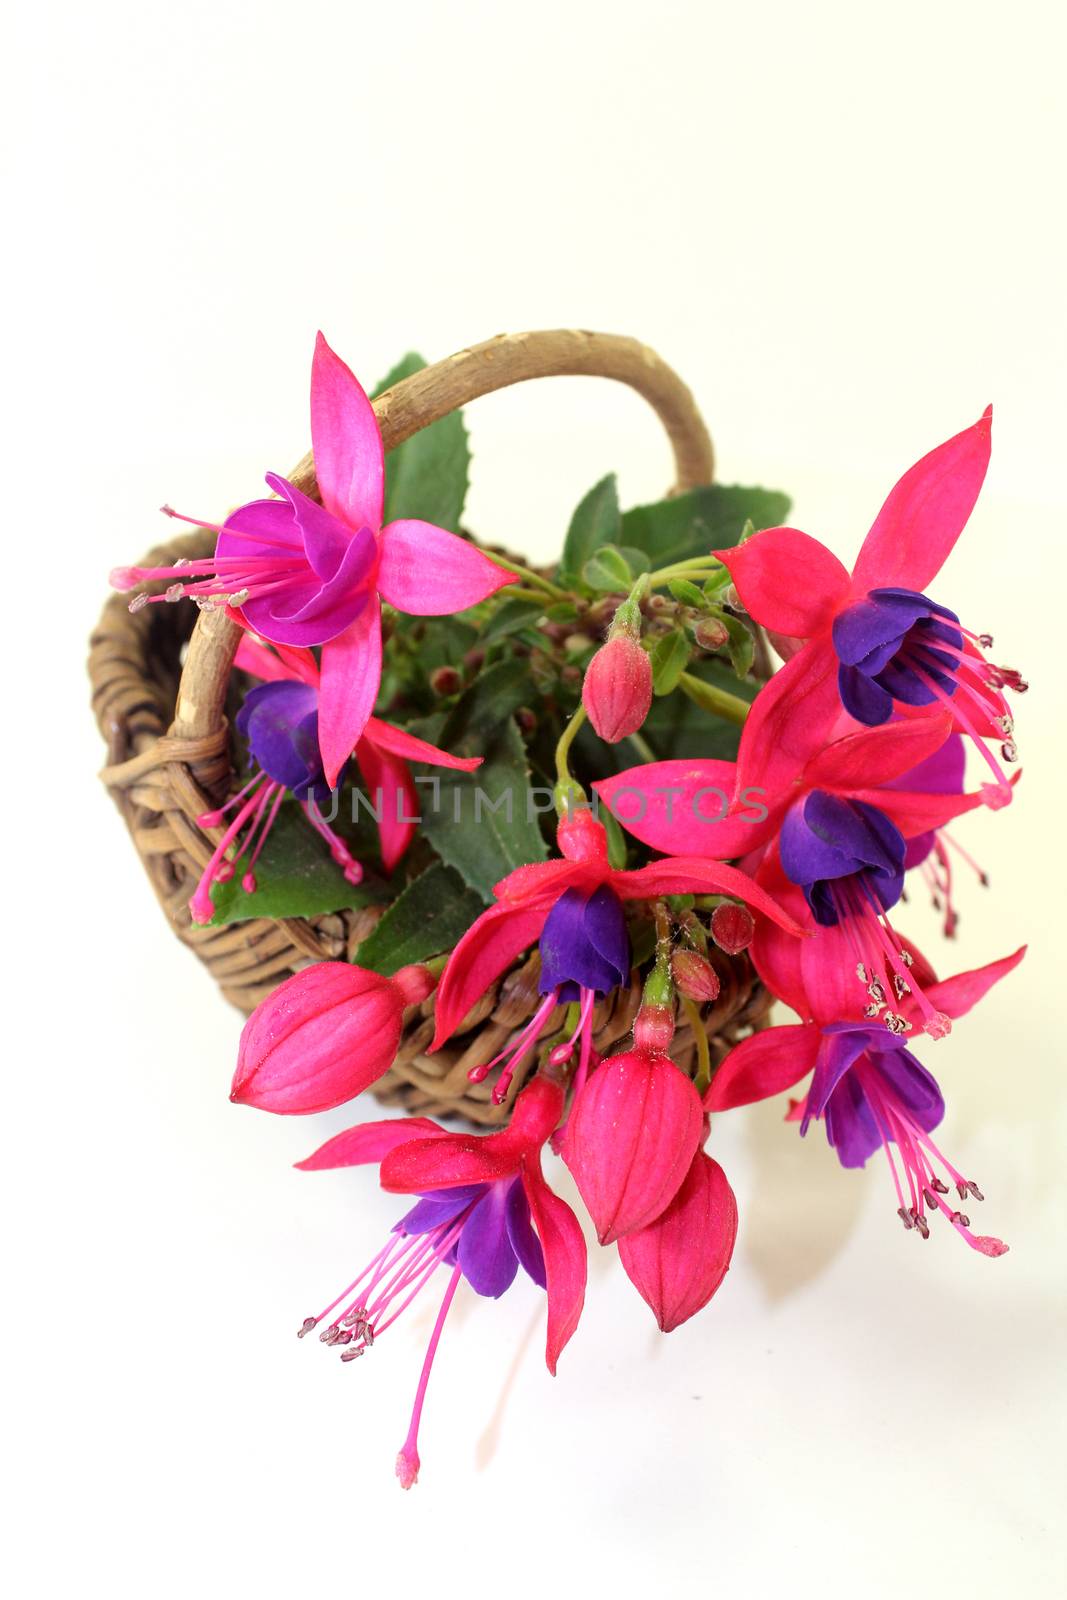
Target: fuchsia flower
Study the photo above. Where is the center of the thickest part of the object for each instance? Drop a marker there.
(574, 908)
(305, 574)
(280, 719)
(323, 1036)
(843, 824)
(484, 1210)
(868, 1090)
(678, 1261)
(875, 643)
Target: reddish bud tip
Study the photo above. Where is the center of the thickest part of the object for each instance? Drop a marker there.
(710, 633)
(695, 976)
(617, 691)
(445, 680)
(581, 837)
(654, 1028)
(732, 927)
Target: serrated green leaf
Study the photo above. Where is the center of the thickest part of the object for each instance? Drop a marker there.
(295, 877)
(510, 616)
(703, 520)
(607, 570)
(596, 522)
(686, 593)
(670, 657)
(484, 823)
(427, 475)
(432, 915)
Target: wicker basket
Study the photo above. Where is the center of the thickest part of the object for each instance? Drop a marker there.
(160, 680)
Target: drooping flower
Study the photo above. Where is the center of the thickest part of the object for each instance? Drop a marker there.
(677, 1262)
(634, 1129)
(875, 642)
(484, 1210)
(323, 1036)
(574, 907)
(869, 1091)
(301, 573)
(280, 720)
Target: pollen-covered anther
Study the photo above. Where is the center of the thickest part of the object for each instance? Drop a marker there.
(353, 1354)
(173, 592)
(965, 1187)
(138, 602)
(1009, 750)
(920, 1223)
(306, 1326)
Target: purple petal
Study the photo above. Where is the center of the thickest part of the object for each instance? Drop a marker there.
(867, 626)
(584, 943)
(841, 1047)
(524, 1241)
(862, 698)
(941, 773)
(325, 538)
(913, 1085)
(443, 1205)
(485, 1252)
(850, 1125)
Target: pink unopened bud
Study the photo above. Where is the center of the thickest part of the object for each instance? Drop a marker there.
(323, 1036)
(632, 1134)
(581, 837)
(617, 691)
(711, 633)
(695, 976)
(732, 927)
(654, 1028)
(677, 1262)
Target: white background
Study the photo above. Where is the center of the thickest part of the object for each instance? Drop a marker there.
(842, 224)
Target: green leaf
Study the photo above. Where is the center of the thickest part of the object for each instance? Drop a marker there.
(606, 570)
(670, 657)
(295, 877)
(432, 915)
(705, 519)
(484, 823)
(595, 522)
(483, 709)
(511, 616)
(678, 730)
(686, 593)
(427, 475)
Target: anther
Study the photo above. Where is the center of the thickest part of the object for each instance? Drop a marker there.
(904, 1217)
(173, 592)
(937, 1186)
(352, 1355)
(960, 1220)
(986, 641)
(306, 1327)
(138, 602)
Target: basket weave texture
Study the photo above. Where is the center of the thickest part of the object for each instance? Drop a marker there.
(159, 698)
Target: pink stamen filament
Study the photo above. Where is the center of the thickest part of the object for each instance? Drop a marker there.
(952, 704)
(517, 1048)
(339, 851)
(409, 1452)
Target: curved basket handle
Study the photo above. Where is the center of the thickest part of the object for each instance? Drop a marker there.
(426, 396)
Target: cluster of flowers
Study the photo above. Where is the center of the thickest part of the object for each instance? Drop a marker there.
(857, 748)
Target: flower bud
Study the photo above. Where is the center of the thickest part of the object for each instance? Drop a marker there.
(323, 1036)
(695, 976)
(732, 927)
(617, 691)
(632, 1134)
(677, 1262)
(711, 633)
(445, 681)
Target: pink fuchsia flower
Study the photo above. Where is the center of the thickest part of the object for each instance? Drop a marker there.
(634, 1130)
(870, 1092)
(280, 720)
(875, 642)
(574, 908)
(678, 1261)
(304, 574)
(323, 1036)
(617, 688)
(685, 806)
(484, 1210)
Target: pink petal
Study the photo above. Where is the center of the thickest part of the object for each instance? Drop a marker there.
(369, 1142)
(351, 674)
(677, 807)
(692, 875)
(677, 1262)
(392, 795)
(447, 1162)
(925, 513)
(563, 1247)
(793, 717)
(915, 813)
(777, 957)
(397, 742)
(488, 947)
(429, 572)
(276, 663)
(787, 581)
(633, 1132)
(877, 755)
(765, 1064)
(545, 881)
(955, 996)
(346, 442)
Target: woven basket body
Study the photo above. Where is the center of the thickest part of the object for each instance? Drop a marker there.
(160, 680)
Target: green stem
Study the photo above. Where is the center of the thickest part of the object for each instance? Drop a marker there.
(563, 771)
(700, 1039)
(533, 578)
(515, 591)
(698, 567)
(717, 701)
(643, 748)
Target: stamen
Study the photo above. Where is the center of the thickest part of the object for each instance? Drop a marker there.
(407, 1461)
